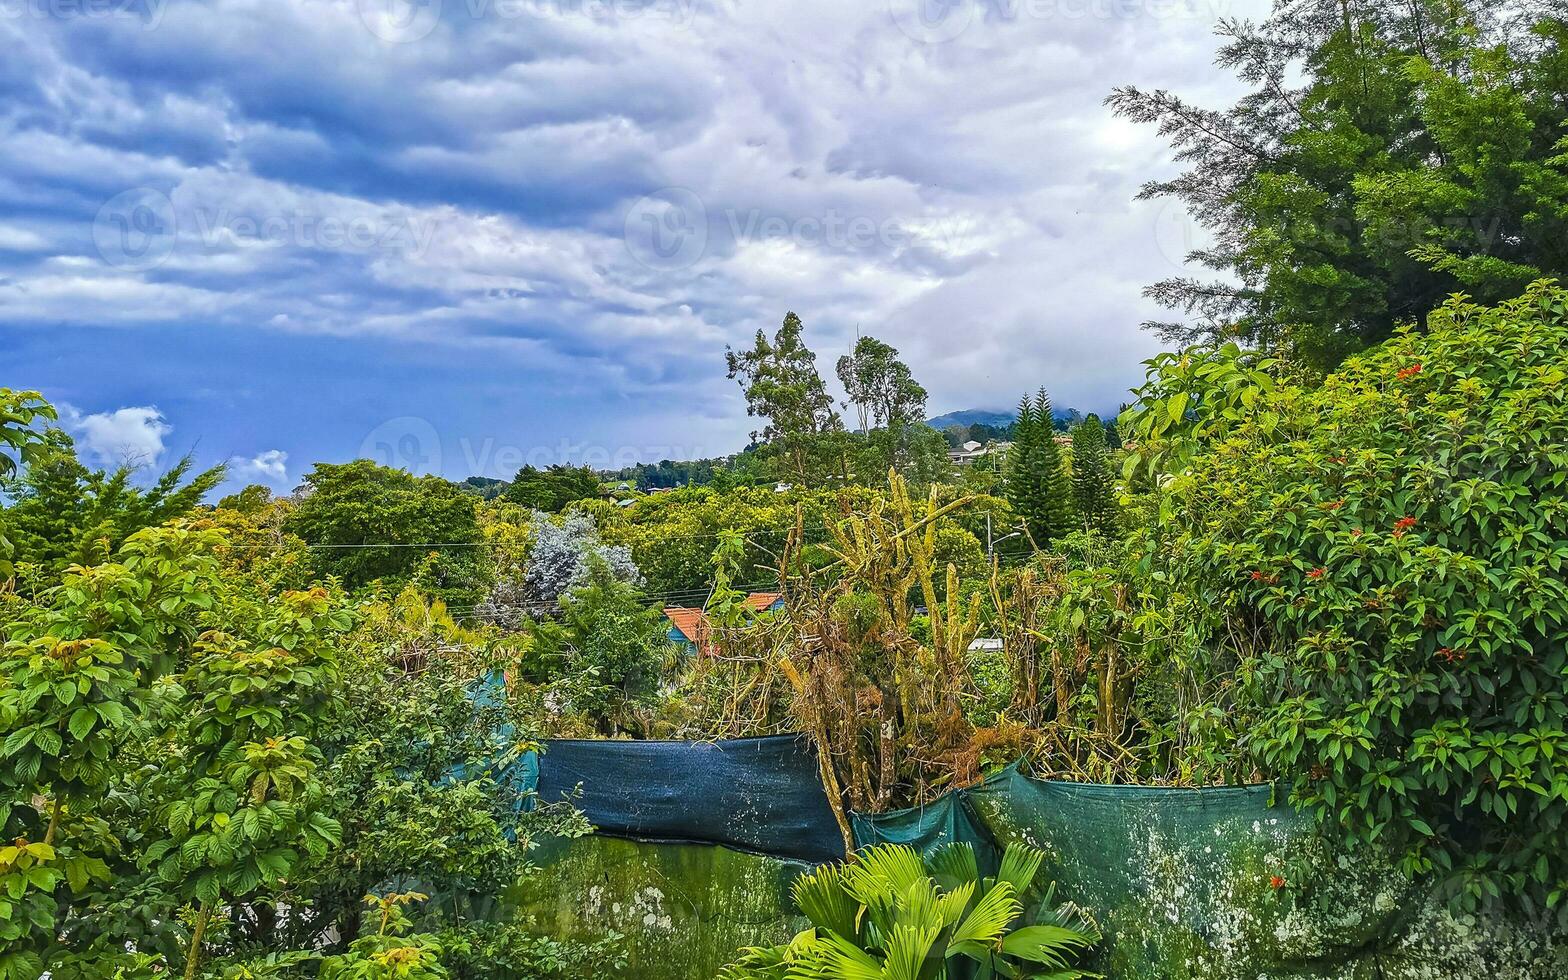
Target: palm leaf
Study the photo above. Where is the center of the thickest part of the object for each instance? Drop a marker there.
(837, 958)
(1020, 863)
(953, 864)
(822, 897)
(986, 922)
(1053, 946)
(907, 951)
(898, 865)
(951, 906)
(918, 906)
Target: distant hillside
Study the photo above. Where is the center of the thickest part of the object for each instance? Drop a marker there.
(973, 416)
(1000, 420)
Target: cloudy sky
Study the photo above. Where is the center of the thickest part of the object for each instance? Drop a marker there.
(460, 235)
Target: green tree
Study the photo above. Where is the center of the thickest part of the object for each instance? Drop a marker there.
(19, 442)
(1386, 555)
(79, 666)
(1094, 491)
(363, 522)
(1390, 153)
(552, 488)
(1037, 484)
(65, 513)
(880, 386)
(783, 387)
(891, 406)
(613, 640)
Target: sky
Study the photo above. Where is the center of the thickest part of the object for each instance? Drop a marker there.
(464, 235)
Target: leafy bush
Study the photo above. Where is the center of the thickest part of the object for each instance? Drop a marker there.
(1390, 550)
(892, 915)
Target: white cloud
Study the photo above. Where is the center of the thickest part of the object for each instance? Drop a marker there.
(271, 465)
(124, 437)
(471, 189)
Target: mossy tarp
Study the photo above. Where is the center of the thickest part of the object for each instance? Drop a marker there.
(1229, 883)
(1188, 884)
(753, 794)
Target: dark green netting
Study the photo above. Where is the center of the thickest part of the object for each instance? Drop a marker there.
(925, 828)
(753, 794)
(1188, 884)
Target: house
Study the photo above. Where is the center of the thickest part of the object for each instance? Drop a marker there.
(689, 625)
(971, 451)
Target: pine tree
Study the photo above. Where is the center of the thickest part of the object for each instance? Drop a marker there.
(1093, 490)
(1037, 485)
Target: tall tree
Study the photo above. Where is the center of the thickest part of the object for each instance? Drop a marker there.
(365, 522)
(552, 488)
(783, 387)
(1417, 155)
(1093, 489)
(880, 386)
(889, 400)
(1037, 485)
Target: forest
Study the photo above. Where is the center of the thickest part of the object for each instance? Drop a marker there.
(1322, 546)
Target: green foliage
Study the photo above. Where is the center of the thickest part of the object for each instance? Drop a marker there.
(1418, 154)
(1094, 501)
(359, 517)
(894, 916)
(552, 488)
(613, 641)
(1037, 484)
(65, 512)
(1389, 550)
(1193, 397)
(19, 443)
(504, 951)
(783, 387)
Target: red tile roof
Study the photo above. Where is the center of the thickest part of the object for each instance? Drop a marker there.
(693, 622)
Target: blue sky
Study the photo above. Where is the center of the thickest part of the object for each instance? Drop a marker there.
(461, 235)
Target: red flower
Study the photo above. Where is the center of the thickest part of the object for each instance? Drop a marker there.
(1402, 525)
(1333, 505)
(1356, 533)
(1317, 573)
(1276, 882)
(1405, 374)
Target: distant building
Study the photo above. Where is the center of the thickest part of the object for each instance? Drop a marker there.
(971, 451)
(689, 626)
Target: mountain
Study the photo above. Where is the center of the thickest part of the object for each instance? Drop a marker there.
(973, 416)
(1000, 420)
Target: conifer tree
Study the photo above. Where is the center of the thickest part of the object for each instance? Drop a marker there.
(1093, 489)
(1037, 484)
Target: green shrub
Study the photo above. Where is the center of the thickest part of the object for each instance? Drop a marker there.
(1390, 549)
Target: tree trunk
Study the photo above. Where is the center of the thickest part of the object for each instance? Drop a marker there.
(193, 956)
